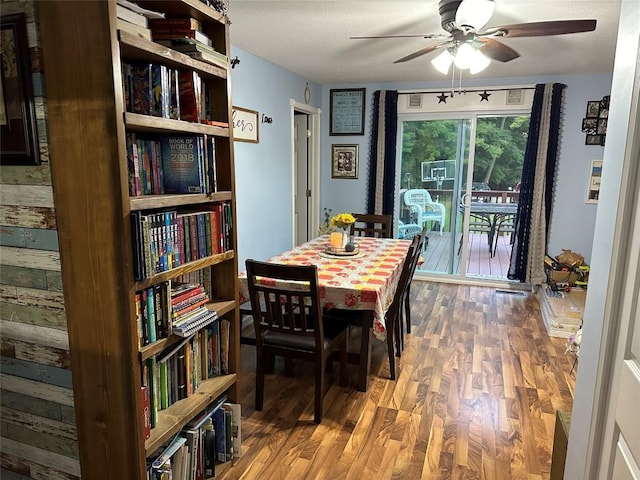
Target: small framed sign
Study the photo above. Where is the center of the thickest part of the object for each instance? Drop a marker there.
(245, 125)
(347, 111)
(344, 161)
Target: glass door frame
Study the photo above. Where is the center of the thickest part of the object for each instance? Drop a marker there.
(457, 194)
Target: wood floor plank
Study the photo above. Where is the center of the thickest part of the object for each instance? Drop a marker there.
(478, 385)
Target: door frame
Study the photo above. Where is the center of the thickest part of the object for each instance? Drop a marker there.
(313, 217)
(590, 453)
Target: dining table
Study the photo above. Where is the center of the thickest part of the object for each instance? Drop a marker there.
(364, 280)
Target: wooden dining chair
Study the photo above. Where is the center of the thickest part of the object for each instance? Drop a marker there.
(421, 238)
(393, 314)
(370, 225)
(288, 322)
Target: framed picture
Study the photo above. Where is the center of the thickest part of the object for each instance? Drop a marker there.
(344, 161)
(245, 125)
(18, 134)
(346, 113)
(593, 140)
(590, 126)
(593, 109)
(595, 174)
(602, 126)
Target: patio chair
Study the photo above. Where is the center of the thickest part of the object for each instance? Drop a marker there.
(504, 224)
(423, 208)
(408, 230)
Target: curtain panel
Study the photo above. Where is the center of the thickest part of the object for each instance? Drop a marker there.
(382, 153)
(536, 187)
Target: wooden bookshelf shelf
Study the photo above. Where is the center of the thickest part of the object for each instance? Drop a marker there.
(220, 307)
(172, 419)
(149, 202)
(147, 123)
(132, 46)
(186, 268)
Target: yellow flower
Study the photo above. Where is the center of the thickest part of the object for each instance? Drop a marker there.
(342, 220)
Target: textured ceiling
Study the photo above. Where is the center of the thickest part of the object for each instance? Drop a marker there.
(311, 38)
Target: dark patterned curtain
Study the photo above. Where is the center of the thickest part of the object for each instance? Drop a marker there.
(382, 153)
(536, 187)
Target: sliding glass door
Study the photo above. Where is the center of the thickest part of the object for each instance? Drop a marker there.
(459, 176)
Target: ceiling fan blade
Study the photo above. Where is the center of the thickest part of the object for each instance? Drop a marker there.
(428, 36)
(542, 29)
(497, 50)
(422, 51)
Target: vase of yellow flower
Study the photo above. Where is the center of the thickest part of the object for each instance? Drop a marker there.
(343, 222)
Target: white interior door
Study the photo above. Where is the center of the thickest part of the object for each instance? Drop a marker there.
(302, 187)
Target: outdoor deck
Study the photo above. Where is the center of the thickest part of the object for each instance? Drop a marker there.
(437, 255)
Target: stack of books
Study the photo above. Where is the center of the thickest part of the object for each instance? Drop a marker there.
(134, 19)
(184, 34)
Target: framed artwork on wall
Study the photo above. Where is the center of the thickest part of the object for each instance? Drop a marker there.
(245, 125)
(344, 161)
(18, 135)
(593, 189)
(346, 112)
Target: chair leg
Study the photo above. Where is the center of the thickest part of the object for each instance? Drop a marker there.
(407, 309)
(392, 356)
(259, 381)
(319, 391)
(343, 363)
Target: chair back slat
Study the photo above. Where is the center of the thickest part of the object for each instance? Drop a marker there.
(370, 225)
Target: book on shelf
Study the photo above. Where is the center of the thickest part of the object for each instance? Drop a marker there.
(182, 164)
(146, 411)
(170, 34)
(130, 16)
(173, 23)
(192, 47)
(134, 7)
(133, 29)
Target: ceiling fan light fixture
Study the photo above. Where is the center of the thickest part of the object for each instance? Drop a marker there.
(479, 62)
(464, 56)
(474, 13)
(443, 62)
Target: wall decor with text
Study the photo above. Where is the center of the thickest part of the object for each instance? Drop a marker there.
(346, 115)
(245, 125)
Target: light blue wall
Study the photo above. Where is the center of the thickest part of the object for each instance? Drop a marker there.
(264, 170)
(573, 220)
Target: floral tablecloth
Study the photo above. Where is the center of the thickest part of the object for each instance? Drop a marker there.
(365, 282)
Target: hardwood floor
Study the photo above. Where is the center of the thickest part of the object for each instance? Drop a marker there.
(476, 396)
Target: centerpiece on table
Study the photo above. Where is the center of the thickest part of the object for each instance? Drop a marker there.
(342, 222)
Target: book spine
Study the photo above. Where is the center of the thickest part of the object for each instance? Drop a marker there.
(164, 392)
(146, 411)
(180, 23)
(191, 292)
(193, 234)
(151, 320)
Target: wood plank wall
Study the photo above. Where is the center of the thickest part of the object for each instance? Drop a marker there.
(37, 419)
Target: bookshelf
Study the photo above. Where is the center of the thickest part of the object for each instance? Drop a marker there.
(83, 51)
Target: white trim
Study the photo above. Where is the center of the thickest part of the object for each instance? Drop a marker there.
(314, 167)
(589, 451)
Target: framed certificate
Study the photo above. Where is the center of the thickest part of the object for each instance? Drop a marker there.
(347, 111)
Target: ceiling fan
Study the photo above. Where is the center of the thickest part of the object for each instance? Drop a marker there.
(467, 46)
